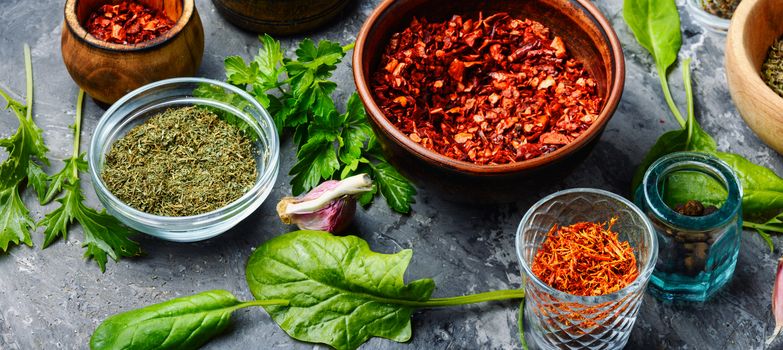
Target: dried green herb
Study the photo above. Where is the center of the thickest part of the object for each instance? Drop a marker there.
(772, 70)
(721, 8)
(181, 162)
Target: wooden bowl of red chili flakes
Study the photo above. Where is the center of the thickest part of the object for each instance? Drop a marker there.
(486, 97)
(111, 47)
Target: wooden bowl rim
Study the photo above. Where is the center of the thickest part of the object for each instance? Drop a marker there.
(615, 93)
(78, 31)
(736, 47)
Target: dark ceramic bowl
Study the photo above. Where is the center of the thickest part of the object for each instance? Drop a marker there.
(589, 38)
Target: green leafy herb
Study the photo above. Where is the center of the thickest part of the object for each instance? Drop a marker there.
(656, 25)
(104, 235)
(318, 287)
(181, 323)
(773, 225)
(330, 144)
(26, 150)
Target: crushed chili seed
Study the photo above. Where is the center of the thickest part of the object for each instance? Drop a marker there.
(585, 259)
(127, 22)
(492, 90)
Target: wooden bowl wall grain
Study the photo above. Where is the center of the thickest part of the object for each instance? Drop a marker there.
(754, 27)
(280, 17)
(107, 71)
(589, 37)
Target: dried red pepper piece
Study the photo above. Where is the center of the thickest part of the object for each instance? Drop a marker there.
(492, 90)
(127, 22)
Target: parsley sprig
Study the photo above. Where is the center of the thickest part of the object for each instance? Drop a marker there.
(329, 144)
(26, 153)
(104, 235)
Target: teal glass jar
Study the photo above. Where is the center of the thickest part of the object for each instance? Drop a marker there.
(696, 254)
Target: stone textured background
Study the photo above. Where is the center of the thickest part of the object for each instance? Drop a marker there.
(53, 299)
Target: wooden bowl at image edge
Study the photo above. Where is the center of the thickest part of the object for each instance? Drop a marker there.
(108, 71)
(754, 28)
(589, 37)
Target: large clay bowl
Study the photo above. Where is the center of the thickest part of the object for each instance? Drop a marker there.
(754, 27)
(107, 71)
(589, 37)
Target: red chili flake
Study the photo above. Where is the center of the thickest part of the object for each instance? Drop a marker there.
(127, 22)
(585, 259)
(492, 90)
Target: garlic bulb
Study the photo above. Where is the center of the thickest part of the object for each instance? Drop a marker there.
(328, 207)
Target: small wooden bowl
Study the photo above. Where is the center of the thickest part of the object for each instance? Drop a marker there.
(754, 28)
(280, 17)
(589, 37)
(107, 71)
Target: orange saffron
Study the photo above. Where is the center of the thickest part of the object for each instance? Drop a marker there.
(585, 259)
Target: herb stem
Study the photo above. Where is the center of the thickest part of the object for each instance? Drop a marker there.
(495, 295)
(521, 325)
(270, 302)
(28, 70)
(77, 125)
(686, 80)
(766, 227)
(668, 96)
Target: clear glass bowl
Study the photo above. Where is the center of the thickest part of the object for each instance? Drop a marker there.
(135, 107)
(697, 255)
(707, 20)
(559, 320)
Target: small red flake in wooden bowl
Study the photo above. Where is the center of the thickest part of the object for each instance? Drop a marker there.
(127, 22)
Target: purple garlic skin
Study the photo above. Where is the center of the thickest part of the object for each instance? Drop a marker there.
(329, 207)
(336, 217)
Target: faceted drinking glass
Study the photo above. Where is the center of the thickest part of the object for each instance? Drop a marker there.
(559, 320)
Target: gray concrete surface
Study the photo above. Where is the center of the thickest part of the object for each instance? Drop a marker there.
(53, 299)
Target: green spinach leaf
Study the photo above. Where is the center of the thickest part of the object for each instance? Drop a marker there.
(680, 187)
(181, 323)
(340, 292)
(316, 286)
(656, 25)
(674, 141)
(762, 188)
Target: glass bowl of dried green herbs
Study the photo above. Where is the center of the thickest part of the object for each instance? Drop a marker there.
(184, 159)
